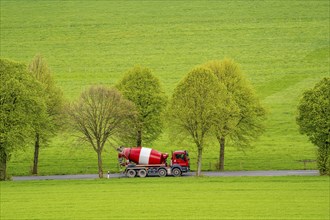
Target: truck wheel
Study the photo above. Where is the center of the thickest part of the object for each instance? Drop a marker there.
(176, 172)
(162, 172)
(131, 173)
(142, 173)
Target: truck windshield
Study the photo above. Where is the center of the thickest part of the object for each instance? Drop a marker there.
(179, 156)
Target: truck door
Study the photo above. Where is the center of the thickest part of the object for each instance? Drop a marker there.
(181, 159)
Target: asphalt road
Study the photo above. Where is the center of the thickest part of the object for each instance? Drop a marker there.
(223, 174)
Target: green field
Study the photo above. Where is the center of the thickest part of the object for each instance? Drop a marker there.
(169, 198)
(282, 47)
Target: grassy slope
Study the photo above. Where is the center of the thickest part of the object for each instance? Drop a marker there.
(168, 198)
(282, 47)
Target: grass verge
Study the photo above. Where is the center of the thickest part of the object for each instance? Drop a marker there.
(168, 198)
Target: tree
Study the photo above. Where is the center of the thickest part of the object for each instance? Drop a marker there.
(314, 121)
(100, 113)
(242, 124)
(54, 103)
(196, 106)
(141, 87)
(22, 107)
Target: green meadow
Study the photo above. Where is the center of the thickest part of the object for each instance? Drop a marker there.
(281, 46)
(168, 198)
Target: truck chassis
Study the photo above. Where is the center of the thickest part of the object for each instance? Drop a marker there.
(161, 170)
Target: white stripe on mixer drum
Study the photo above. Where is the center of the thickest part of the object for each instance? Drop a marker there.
(144, 155)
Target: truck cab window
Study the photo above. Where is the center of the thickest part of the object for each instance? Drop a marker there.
(180, 156)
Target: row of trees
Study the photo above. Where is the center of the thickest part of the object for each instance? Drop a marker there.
(213, 100)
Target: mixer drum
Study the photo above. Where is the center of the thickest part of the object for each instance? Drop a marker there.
(143, 155)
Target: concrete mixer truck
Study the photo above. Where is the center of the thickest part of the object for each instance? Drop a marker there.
(142, 162)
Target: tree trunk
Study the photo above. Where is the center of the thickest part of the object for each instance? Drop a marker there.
(199, 161)
(323, 163)
(36, 155)
(222, 154)
(3, 164)
(99, 162)
(139, 138)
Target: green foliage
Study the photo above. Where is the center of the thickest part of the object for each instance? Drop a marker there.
(228, 74)
(314, 113)
(22, 108)
(197, 105)
(100, 114)
(236, 198)
(142, 88)
(54, 95)
(314, 121)
(243, 124)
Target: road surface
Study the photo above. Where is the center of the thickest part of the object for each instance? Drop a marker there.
(212, 173)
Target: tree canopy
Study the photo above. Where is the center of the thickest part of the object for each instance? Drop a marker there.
(142, 88)
(99, 114)
(196, 106)
(22, 107)
(314, 120)
(242, 123)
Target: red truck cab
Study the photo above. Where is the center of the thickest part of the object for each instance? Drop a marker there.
(181, 158)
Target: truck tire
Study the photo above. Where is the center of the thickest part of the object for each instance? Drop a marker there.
(162, 172)
(176, 172)
(131, 173)
(142, 173)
